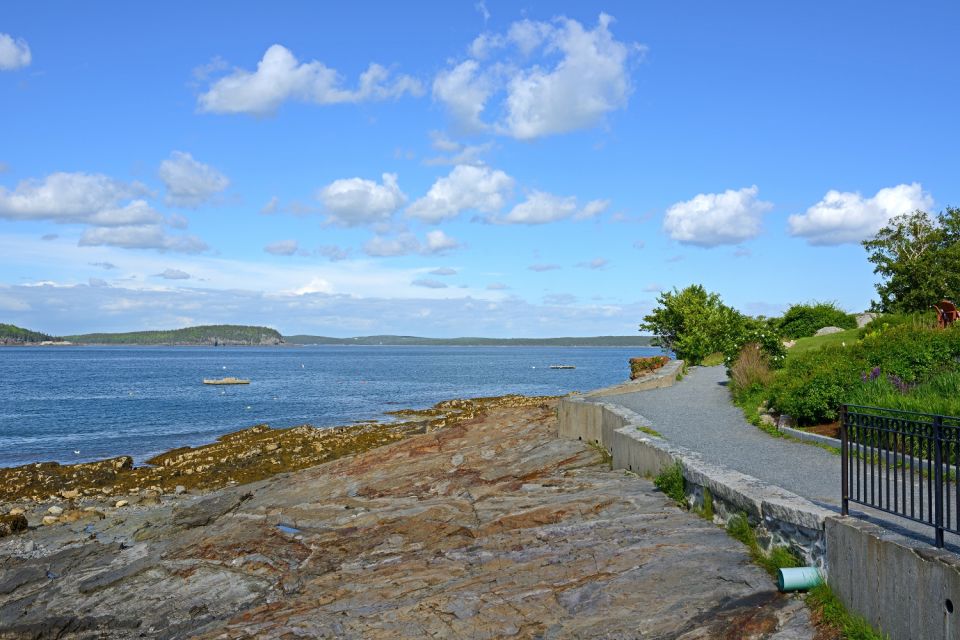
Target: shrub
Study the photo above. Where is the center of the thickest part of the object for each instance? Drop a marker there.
(813, 385)
(803, 320)
(752, 367)
(917, 320)
(762, 332)
(643, 366)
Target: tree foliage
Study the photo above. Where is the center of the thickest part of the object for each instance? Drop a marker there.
(12, 334)
(918, 258)
(693, 323)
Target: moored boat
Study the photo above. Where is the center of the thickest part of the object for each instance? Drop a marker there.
(562, 366)
(227, 380)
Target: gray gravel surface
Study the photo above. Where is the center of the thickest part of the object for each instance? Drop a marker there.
(697, 413)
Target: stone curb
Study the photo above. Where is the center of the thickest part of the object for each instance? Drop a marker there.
(665, 376)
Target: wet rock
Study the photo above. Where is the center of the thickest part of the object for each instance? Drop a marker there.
(49, 520)
(55, 510)
(121, 503)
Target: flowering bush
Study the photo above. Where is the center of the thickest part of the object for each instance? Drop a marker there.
(643, 366)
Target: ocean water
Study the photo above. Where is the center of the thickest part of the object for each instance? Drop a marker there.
(75, 404)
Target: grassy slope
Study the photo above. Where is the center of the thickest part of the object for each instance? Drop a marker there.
(809, 344)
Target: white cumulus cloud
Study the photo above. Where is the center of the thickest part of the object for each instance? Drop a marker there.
(280, 77)
(14, 53)
(465, 188)
(76, 198)
(190, 183)
(849, 217)
(437, 243)
(543, 78)
(542, 208)
(712, 219)
(353, 202)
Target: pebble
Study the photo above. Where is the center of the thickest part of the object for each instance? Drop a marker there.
(55, 510)
(121, 503)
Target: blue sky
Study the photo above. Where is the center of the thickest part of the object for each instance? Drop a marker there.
(458, 168)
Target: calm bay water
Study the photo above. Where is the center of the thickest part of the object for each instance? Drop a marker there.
(139, 401)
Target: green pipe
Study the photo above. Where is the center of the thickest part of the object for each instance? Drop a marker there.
(800, 578)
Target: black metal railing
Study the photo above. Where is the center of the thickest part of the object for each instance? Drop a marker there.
(902, 463)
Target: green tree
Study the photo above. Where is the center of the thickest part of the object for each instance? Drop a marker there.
(694, 323)
(918, 259)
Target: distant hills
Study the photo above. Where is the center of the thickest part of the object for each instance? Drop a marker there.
(212, 335)
(598, 341)
(232, 334)
(12, 334)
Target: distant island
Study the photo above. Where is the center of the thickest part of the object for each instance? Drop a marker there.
(207, 335)
(243, 335)
(598, 341)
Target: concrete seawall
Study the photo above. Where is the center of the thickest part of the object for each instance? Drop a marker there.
(904, 588)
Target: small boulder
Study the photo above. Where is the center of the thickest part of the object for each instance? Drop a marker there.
(121, 503)
(12, 523)
(828, 330)
(179, 489)
(768, 420)
(48, 520)
(70, 494)
(16, 511)
(55, 510)
(864, 319)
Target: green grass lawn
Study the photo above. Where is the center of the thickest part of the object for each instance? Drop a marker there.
(849, 336)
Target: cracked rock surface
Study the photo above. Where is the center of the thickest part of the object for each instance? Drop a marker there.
(489, 528)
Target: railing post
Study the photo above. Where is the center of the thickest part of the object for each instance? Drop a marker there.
(938, 481)
(844, 463)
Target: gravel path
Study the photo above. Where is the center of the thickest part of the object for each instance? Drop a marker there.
(696, 413)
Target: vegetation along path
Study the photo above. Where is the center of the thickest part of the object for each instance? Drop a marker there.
(697, 413)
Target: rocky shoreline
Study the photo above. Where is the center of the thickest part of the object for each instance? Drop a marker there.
(472, 521)
(49, 493)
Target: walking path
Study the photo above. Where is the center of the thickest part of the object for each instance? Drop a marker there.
(697, 413)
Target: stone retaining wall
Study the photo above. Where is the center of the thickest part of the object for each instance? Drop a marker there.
(782, 518)
(903, 587)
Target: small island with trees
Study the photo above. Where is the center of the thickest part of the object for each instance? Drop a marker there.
(206, 335)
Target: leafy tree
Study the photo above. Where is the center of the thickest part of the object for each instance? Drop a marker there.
(918, 258)
(693, 323)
